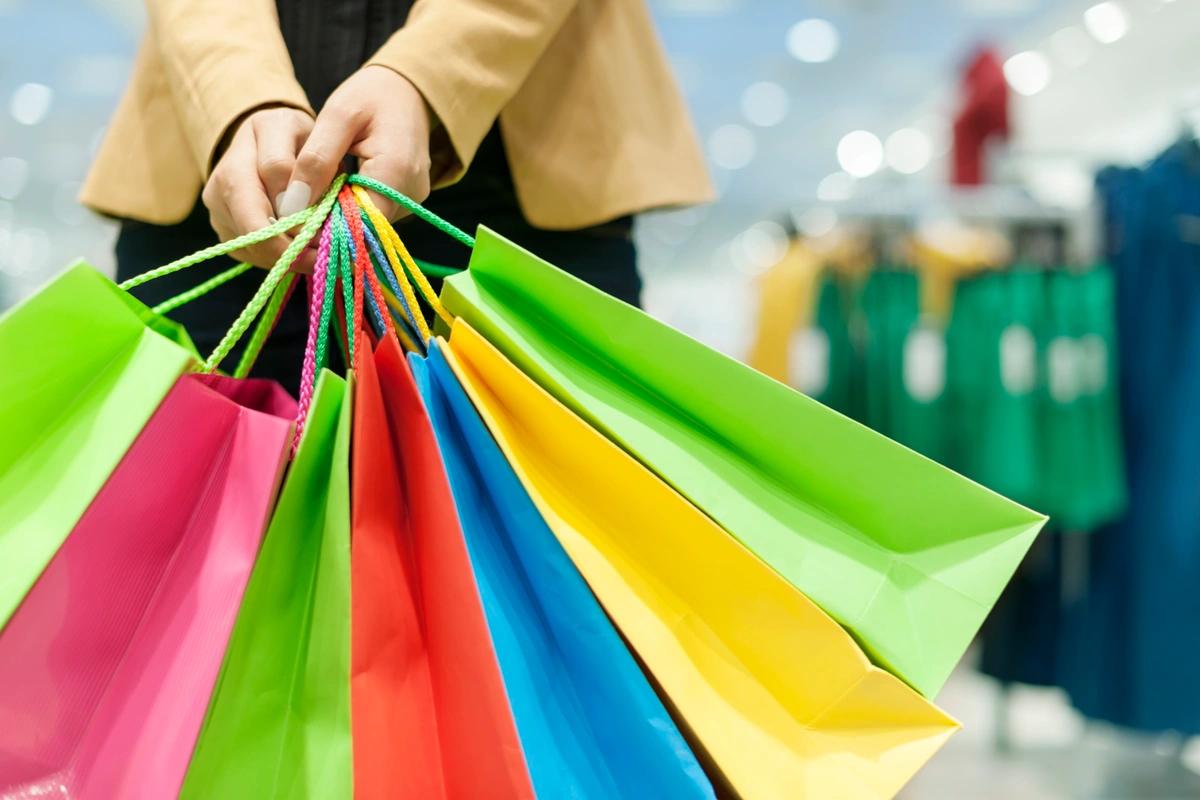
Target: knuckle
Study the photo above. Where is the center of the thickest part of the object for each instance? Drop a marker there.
(343, 113)
(311, 161)
(275, 165)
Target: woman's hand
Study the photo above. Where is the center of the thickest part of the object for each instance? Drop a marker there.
(377, 116)
(250, 174)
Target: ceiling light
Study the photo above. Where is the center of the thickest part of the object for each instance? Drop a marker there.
(1071, 47)
(1106, 22)
(1028, 72)
(30, 103)
(14, 172)
(765, 103)
(817, 221)
(813, 41)
(908, 151)
(835, 187)
(731, 147)
(860, 153)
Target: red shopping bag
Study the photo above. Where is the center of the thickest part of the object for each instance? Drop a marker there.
(429, 713)
(107, 666)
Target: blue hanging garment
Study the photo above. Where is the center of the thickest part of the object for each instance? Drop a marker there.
(588, 720)
(1135, 641)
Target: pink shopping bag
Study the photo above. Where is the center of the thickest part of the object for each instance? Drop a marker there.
(107, 666)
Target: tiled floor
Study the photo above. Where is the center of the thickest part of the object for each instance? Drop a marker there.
(1048, 752)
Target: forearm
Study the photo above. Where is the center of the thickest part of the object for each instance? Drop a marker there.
(468, 58)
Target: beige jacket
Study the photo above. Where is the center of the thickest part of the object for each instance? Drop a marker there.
(593, 123)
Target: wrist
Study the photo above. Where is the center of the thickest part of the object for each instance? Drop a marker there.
(245, 117)
(406, 90)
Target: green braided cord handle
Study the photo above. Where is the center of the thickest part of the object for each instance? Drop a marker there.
(223, 249)
(416, 208)
(312, 222)
(437, 270)
(172, 303)
(262, 329)
(331, 275)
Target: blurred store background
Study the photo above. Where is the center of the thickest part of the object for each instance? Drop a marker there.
(971, 224)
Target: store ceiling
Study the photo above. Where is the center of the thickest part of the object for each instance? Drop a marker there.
(894, 59)
(895, 66)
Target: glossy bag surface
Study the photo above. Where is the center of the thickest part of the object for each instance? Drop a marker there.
(778, 698)
(278, 724)
(590, 724)
(107, 666)
(82, 367)
(904, 553)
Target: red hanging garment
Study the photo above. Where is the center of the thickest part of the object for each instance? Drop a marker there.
(982, 117)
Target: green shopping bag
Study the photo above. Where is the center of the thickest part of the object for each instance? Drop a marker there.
(278, 724)
(904, 553)
(83, 365)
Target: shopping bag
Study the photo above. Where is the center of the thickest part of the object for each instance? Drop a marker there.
(423, 662)
(107, 665)
(82, 367)
(903, 552)
(278, 724)
(590, 725)
(776, 694)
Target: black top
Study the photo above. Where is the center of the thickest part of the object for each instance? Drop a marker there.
(329, 39)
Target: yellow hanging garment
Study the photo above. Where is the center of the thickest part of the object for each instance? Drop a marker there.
(776, 694)
(785, 300)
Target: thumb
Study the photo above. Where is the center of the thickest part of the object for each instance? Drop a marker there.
(318, 161)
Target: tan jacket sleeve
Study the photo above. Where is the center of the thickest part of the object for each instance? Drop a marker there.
(468, 58)
(221, 59)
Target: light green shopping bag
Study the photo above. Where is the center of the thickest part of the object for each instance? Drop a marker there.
(278, 725)
(904, 553)
(83, 365)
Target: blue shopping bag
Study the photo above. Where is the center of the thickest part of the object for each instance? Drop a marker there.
(588, 721)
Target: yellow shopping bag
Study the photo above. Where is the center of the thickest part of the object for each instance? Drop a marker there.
(779, 697)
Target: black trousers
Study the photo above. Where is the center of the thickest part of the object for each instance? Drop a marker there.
(604, 256)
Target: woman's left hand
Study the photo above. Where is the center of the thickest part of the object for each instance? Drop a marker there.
(380, 118)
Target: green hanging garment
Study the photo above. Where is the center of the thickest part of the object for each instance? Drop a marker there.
(905, 362)
(992, 366)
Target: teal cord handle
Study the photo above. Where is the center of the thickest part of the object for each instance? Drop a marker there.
(341, 240)
(416, 208)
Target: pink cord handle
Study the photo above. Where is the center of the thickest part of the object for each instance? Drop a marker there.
(316, 301)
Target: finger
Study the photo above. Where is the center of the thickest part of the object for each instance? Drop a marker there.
(409, 176)
(277, 146)
(250, 210)
(319, 159)
(305, 262)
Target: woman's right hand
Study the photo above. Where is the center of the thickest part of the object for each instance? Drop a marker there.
(250, 175)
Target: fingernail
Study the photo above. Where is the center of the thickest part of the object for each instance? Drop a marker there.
(294, 198)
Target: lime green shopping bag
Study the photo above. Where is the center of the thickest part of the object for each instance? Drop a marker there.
(83, 365)
(278, 724)
(904, 553)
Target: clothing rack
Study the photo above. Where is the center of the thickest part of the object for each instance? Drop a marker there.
(1039, 232)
